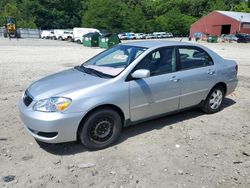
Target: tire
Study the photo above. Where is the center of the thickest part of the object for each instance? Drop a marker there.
(18, 34)
(214, 100)
(59, 38)
(106, 120)
(69, 39)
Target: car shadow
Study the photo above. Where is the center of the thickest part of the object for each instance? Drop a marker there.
(168, 120)
(71, 148)
(68, 148)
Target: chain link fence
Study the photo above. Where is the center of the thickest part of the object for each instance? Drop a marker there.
(25, 32)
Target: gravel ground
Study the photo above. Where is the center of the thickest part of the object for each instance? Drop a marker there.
(189, 149)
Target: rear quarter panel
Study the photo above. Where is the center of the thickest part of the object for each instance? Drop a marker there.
(227, 73)
(225, 70)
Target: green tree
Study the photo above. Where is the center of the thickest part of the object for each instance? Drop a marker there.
(135, 20)
(21, 12)
(59, 13)
(10, 9)
(115, 15)
(242, 7)
(174, 21)
(105, 14)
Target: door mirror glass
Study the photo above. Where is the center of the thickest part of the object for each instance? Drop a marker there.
(141, 73)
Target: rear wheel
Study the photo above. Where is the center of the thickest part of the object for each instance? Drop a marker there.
(214, 100)
(101, 129)
(69, 38)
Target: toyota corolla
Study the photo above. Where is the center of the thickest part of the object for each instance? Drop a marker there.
(124, 85)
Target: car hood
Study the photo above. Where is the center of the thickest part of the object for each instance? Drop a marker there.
(61, 82)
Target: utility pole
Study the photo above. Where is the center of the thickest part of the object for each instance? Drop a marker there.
(240, 23)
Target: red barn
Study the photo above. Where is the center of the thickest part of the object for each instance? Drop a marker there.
(222, 22)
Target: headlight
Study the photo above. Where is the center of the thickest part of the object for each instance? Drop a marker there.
(52, 104)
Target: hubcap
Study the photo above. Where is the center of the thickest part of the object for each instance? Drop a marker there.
(216, 99)
(102, 130)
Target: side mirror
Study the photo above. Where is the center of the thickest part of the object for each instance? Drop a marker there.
(141, 73)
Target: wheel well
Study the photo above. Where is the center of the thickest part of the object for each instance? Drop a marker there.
(105, 106)
(221, 84)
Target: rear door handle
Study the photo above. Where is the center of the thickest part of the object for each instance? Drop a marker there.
(174, 79)
(211, 72)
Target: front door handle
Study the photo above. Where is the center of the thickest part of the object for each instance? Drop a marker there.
(174, 79)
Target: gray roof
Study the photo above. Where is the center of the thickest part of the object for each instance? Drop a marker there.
(239, 16)
(150, 44)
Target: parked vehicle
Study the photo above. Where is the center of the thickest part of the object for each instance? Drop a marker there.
(122, 36)
(58, 34)
(79, 32)
(46, 34)
(200, 36)
(10, 29)
(150, 36)
(243, 38)
(160, 34)
(140, 36)
(52, 35)
(130, 36)
(126, 84)
(67, 35)
(169, 35)
(229, 38)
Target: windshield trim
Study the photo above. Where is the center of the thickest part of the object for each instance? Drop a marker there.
(93, 72)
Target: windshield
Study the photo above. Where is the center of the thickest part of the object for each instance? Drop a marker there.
(114, 60)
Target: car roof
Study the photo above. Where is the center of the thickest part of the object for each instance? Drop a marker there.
(152, 44)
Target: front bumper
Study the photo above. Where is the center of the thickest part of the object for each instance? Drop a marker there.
(48, 127)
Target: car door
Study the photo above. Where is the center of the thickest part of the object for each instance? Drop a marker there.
(158, 93)
(198, 74)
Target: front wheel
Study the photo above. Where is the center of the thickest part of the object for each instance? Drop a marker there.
(101, 129)
(214, 100)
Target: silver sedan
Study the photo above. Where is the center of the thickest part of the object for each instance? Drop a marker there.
(124, 85)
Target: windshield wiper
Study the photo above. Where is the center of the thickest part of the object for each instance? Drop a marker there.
(93, 71)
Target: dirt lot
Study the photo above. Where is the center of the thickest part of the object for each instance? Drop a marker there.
(190, 149)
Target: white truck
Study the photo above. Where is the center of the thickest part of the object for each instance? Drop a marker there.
(58, 34)
(79, 32)
(61, 34)
(46, 34)
(67, 35)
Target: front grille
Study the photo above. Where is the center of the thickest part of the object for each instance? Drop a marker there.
(27, 99)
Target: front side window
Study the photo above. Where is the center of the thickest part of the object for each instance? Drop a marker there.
(193, 58)
(160, 61)
(114, 60)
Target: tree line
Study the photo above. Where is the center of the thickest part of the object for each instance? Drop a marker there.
(174, 16)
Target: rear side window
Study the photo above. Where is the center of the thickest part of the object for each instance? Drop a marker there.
(192, 57)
